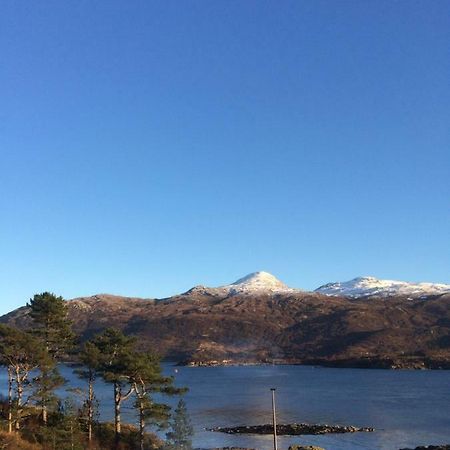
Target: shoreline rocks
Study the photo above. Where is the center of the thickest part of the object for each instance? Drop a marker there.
(292, 429)
(430, 447)
(351, 363)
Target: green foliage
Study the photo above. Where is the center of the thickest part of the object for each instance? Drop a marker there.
(45, 384)
(111, 355)
(116, 355)
(19, 348)
(21, 352)
(50, 322)
(90, 356)
(129, 438)
(115, 352)
(145, 371)
(52, 326)
(180, 435)
(85, 412)
(64, 431)
(146, 376)
(155, 414)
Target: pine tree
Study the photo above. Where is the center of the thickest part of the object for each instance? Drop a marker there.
(146, 378)
(45, 383)
(90, 357)
(52, 326)
(22, 353)
(180, 436)
(63, 431)
(116, 352)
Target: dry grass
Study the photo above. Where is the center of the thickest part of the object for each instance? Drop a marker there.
(15, 442)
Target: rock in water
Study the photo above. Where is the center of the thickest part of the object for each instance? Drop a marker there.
(292, 429)
(304, 447)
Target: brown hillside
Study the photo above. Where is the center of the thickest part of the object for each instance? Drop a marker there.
(300, 327)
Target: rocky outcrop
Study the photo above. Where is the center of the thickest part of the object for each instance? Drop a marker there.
(292, 429)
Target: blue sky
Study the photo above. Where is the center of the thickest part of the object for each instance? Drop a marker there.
(149, 146)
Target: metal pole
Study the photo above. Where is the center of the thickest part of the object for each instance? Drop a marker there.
(274, 419)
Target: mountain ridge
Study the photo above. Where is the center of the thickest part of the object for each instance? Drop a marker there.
(359, 287)
(265, 327)
(254, 282)
(365, 287)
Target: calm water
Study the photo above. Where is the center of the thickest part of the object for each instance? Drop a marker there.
(407, 408)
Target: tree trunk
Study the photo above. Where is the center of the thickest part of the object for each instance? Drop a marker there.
(117, 401)
(44, 414)
(19, 384)
(141, 424)
(90, 407)
(10, 400)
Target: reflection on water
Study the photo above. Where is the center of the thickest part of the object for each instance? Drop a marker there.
(407, 408)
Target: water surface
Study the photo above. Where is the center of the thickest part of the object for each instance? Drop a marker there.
(407, 408)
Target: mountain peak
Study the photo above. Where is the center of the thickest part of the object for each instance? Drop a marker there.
(255, 282)
(261, 282)
(361, 287)
(262, 278)
(366, 278)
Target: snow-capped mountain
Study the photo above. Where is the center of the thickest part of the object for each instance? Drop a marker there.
(254, 283)
(363, 287)
(258, 282)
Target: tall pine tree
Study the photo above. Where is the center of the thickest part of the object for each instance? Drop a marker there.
(146, 378)
(180, 435)
(21, 353)
(116, 352)
(52, 326)
(90, 357)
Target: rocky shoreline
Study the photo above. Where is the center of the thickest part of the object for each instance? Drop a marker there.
(292, 429)
(353, 363)
(430, 447)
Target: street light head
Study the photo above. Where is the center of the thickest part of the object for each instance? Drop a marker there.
(273, 389)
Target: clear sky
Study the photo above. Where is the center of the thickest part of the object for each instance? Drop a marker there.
(148, 146)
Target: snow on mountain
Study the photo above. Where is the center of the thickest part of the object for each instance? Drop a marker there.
(257, 282)
(362, 287)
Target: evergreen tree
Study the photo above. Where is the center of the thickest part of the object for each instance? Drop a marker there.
(180, 435)
(21, 353)
(63, 431)
(90, 357)
(45, 383)
(52, 326)
(146, 378)
(116, 352)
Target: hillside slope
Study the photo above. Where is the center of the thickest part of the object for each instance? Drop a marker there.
(284, 327)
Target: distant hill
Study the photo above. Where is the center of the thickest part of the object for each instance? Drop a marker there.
(245, 322)
(365, 287)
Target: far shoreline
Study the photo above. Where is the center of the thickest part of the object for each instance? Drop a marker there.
(364, 363)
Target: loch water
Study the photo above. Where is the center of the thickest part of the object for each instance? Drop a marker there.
(407, 408)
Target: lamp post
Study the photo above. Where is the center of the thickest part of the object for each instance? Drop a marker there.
(274, 419)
